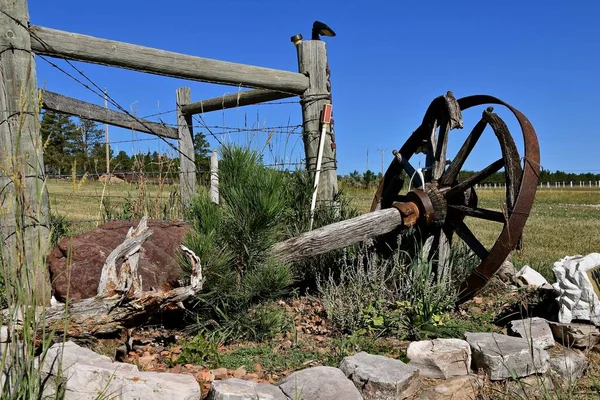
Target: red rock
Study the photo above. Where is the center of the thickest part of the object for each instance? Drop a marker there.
(220, 373)
(239, 373)
(250, 377)
(178, 369)
(158, 264)
(146, 360)
(205, 376)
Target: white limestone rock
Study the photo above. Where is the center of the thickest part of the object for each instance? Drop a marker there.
(569, 365)
(503, 357)
(574, 290)
(87, 376)
(319, 383)
(380, 378)
(531, 278)
(441, 358)
(239, 389)
(534, 329)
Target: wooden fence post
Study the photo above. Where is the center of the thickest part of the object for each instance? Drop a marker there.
(23, 194)
(312, 62)
(187, 155)
(214, 177)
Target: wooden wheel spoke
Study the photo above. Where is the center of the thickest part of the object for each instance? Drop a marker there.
(451, 119)
(480, 213)
(452, 172)
(431, 148)
(441, 249)
(463, 232)
(439, 159)
(478, 177)
(510, 153)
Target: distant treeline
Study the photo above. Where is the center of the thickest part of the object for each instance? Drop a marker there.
(370, 179)
(545, 177)
(78, 146)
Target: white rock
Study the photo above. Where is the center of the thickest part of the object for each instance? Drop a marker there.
(441, 358)
(319, 383)
(4, 334)
(581, 336)
(87, 375)
(534, 329)
(379, 378)
(569, 365)
(503, 357)
(574, 289)
(238, 389)
(507, 272)
(531, 277)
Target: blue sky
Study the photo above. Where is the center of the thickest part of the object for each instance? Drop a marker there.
(388, 61)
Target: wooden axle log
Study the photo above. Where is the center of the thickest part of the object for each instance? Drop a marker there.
(346, 233)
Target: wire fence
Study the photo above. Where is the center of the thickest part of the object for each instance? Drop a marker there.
(143, 173)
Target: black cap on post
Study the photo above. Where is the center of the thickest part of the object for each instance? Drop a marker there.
(319, 28)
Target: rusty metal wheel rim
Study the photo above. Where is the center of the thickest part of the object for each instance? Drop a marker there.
(517, 216)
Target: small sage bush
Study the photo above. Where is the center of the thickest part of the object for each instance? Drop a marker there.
(399, 294)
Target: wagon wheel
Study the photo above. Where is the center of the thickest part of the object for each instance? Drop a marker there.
(446, 201)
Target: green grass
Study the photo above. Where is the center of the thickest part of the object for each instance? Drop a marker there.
(279, 359)
(270, 360)
(563, 222)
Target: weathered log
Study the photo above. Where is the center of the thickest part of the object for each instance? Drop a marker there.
(338, 235)
(128, 281)
(120, 302)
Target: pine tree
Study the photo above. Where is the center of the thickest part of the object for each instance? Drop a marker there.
(56, 130)
(122, 162)
(89, 136)
(202, 155)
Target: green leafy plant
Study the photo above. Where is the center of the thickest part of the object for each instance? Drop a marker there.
(357, 299)
(200, 350)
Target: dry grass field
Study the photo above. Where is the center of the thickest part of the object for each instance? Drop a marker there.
(86, 204)
(563, 221)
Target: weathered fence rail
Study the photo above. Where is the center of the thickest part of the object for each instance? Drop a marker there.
(67, 105)
(246, 98)
(74, 46)
(311, 83)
